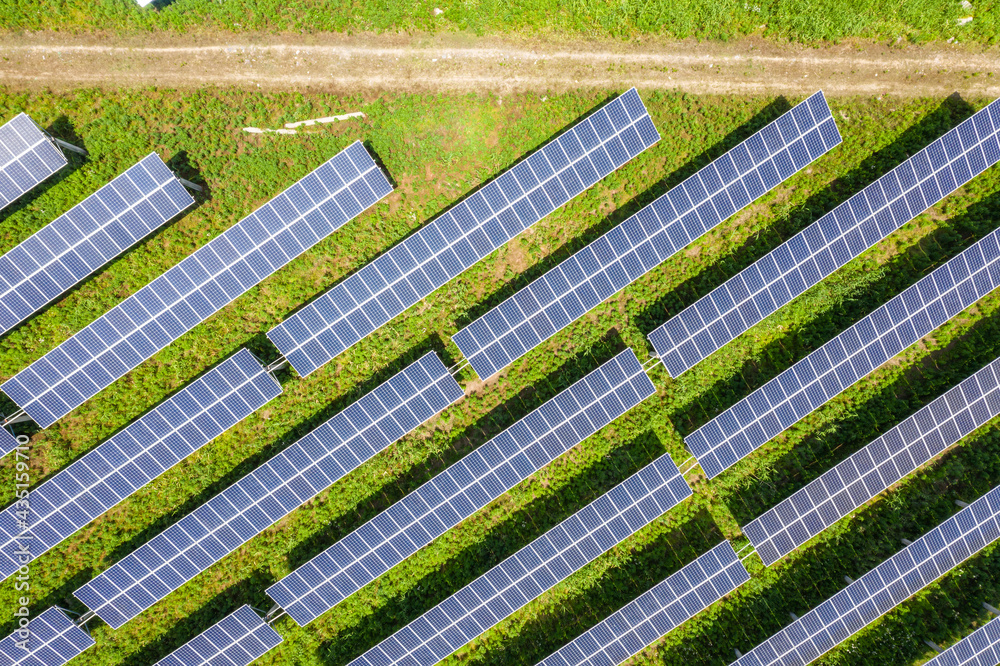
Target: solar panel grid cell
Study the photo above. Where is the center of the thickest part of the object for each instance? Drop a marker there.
(525, 575)
(204, 282)
(7, 442)
(27, 157)
(53, 640)
(238, 639)
(648, 238)
(467, 233)
(666, 606)
(275, 489)
(848, 357)
(133, 457)
(86, 237)
(830, 242)
(877, 466)
(883, 588)
(980, 648)
(464, 488)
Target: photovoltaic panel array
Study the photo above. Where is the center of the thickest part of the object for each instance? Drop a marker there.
(874, 468)
(467, 233)
(522, 577)
(883, 588)
(27, 157)
(53, 641)
(269, 493)
(463, 488)
(87, 236)
(649, 237)
(980, 648)
(665, 607)
(204, 282)
(830, 242)
(238, 639)
(848, 357)
(132, 458)
(7, 442)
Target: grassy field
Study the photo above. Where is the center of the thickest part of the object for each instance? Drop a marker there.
(437, 149)
(796, 20)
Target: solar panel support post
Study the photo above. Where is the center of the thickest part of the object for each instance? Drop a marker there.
(848, 580)
(84, 619)
(274, 614)
(69, 146)
(739, 654)
(961, 504)
(280, 364)
(17, 417)
(795, 618)
(906, 542)
(191, 186)
(991, 609)
(933, 646)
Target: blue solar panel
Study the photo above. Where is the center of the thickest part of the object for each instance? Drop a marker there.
(87, 236)
(668, 605)
(829, 243)
(649, 237)
(135, 456)
(238, 639)
(845, 359)
(52, 638)
(546, 561)
(200, 285)
(27, 157)
(7, 442)
(514, 201)
(271, 492)
(980, 648)
(464, 488)
(882, 589)
(874, 468)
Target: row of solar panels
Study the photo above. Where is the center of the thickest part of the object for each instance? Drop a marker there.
(370, 558)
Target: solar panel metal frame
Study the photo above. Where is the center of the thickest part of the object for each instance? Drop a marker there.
(525, 575)
(666, 606)
(649, 237)
(465, 234)
(827, 244)
(463, 488)
(238, 639)
(27, 157)
(200, 285)
(980, 648)
(87, 236)
(272, 491)
(849, 356)
(61, 641)
(883, 462)
(883, 588)
(133, 457)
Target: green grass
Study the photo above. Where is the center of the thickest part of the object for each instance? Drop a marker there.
(437, 149)
(797, 20)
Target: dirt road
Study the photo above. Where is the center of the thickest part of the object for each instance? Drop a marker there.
(372, 64)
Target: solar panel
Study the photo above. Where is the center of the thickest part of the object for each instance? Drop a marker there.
(848, 357)
(883, 588)
(87, 236)
(649, 237)
(238, 639)
(514, 201)
(7, 442)
(830, 242)
(980, 648)
(27, 157)
(874, 468)
(204, 282)
(269, 493)
(463, 488)
(135, 456)
(525, 575)
(660, 610)
(52, 640)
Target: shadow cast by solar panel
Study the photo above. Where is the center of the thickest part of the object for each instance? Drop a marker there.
(182, 167)
(817, 570)
(345, 276)
(504, 291)
(950, 238)
(462, 443)
(430, 343)
(870, 417)
(380, 164)
(949, 114)
(500, 541)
